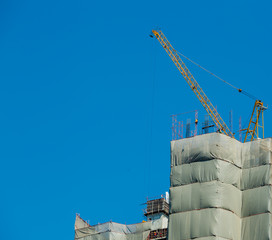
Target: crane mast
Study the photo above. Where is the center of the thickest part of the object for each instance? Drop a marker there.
(211, 110)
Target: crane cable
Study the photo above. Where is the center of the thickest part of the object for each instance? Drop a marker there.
(239, 89)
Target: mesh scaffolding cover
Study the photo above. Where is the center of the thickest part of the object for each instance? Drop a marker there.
(117, 231)
(220, 189)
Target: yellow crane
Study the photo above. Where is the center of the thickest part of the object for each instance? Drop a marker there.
(256, 122)
(252, 132)
(211, 110)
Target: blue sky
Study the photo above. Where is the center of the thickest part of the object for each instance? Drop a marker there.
(86, 98)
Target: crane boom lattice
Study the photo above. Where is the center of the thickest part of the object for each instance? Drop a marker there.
(211, 110)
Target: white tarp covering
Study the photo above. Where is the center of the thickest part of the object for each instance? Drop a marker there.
(117, 231)
(220, 189)
(80, 223)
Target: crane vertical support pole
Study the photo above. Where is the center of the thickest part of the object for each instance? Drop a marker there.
(231, 120)
(211, 110)
(263, 123)
(196, 122)
(240, 129)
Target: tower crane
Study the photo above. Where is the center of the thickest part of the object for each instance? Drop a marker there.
(252, 131)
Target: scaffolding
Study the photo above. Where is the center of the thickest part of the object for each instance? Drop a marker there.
(157, 206)
(158, 234)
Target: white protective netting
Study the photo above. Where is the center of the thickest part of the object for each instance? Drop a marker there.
(220, 189)
(117, 231)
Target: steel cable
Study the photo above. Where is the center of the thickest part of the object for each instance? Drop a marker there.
(239, 89)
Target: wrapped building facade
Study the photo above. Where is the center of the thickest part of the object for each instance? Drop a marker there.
(220, 189)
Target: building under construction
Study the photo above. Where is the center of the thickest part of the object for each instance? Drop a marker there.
(155, 227)
(220, 188)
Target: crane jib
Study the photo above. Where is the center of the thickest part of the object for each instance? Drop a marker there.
(211, 110)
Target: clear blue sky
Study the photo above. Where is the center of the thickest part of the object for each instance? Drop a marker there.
(86, 98)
